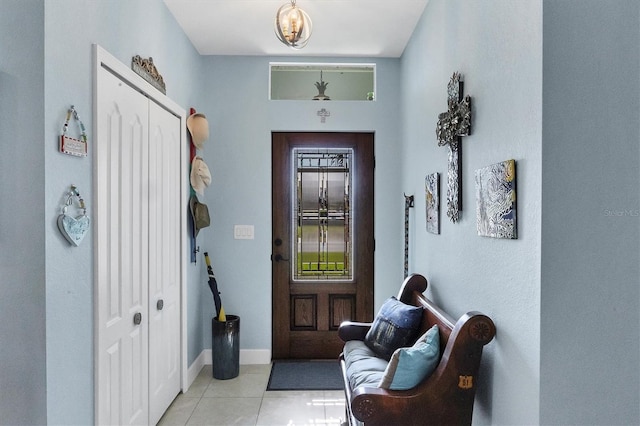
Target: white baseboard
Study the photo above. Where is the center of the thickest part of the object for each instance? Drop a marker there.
(195, 367)
(247, 356)
(255, 356)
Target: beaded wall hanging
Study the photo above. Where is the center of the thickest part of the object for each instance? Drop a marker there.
(72, 146)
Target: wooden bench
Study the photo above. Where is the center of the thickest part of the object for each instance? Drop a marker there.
(444, 398)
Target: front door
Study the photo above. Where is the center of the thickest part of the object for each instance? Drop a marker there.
(323, 242)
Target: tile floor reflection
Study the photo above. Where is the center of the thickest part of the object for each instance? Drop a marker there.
(245, 401)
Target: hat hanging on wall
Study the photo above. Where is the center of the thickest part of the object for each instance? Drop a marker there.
(199, 129)
(199, 214)
(200, 175)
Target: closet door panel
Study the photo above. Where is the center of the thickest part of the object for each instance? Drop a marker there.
(121, 253)
(164, 259)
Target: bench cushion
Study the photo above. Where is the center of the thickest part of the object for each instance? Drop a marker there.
(396, 325)
(364, 368)
(409, 366)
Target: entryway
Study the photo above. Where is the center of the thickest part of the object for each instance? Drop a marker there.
(323, 239)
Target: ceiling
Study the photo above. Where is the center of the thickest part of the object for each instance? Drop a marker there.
(350, 28)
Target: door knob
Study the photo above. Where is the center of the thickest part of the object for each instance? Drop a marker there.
(160, 304)
(137, 318)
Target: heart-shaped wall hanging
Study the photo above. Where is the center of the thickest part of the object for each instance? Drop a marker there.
(72, 228)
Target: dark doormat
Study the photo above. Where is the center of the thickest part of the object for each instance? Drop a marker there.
(305, 375)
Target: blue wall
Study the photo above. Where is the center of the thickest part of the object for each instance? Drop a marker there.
(64, 296)
(124, 28)
(497, 46)
(238, 153)
(22, 176)
(590, 316)
(564, 295)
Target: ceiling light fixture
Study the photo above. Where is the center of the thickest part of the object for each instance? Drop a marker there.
(293, 25)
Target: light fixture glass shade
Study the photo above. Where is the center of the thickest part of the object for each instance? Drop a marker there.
(293, 25)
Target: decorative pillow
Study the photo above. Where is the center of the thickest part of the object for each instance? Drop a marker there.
(396, 325)
(409, 366)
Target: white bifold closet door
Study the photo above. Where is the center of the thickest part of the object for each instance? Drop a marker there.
(137, 220)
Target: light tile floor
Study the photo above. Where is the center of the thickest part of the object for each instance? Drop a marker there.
(245, 401)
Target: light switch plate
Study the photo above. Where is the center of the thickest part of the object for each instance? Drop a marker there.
(243, 232)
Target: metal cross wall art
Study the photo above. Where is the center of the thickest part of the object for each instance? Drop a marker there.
(452, 125)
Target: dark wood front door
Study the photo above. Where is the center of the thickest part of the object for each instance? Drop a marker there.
(322, 242)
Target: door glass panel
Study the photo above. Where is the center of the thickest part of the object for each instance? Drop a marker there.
(322, 228)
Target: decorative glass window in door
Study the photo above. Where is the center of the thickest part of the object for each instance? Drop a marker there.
(322, 228)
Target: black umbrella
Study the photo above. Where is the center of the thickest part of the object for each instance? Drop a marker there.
(213, 285)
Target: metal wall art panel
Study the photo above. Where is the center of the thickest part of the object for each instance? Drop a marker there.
(432, 195)
(496, 200)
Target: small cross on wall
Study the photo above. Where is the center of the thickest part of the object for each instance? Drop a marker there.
(323, 114)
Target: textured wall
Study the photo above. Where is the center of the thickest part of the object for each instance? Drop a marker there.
(124, 28)
(22, 174)
(497, 46)
(239, 155)
(590, 313)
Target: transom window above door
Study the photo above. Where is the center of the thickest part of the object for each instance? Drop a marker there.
(317, 81)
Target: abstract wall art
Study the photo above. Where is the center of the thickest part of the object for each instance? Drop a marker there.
(496, 200)
(432, 195)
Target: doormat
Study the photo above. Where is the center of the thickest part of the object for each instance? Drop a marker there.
(305, 375)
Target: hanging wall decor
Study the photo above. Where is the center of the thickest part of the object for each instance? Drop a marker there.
(452, 125)
(432, 195)
(69, 145)
(321, 86)
(323, 114)
(408, 203)
(74, 228)
(496, 200)
(146, 69)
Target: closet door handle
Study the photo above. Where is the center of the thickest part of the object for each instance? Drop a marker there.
(160, 304)
(137, 318)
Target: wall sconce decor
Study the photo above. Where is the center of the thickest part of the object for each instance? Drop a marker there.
(293, 25)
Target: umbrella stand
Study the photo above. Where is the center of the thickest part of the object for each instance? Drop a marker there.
(225, 334)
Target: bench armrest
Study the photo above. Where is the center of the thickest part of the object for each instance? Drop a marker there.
(351, 330)
(376, 406)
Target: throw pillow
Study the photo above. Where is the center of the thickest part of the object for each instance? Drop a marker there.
(396, 325)
(409, 366)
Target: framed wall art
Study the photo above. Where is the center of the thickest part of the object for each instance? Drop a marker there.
(432, 195)
(496, 200)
